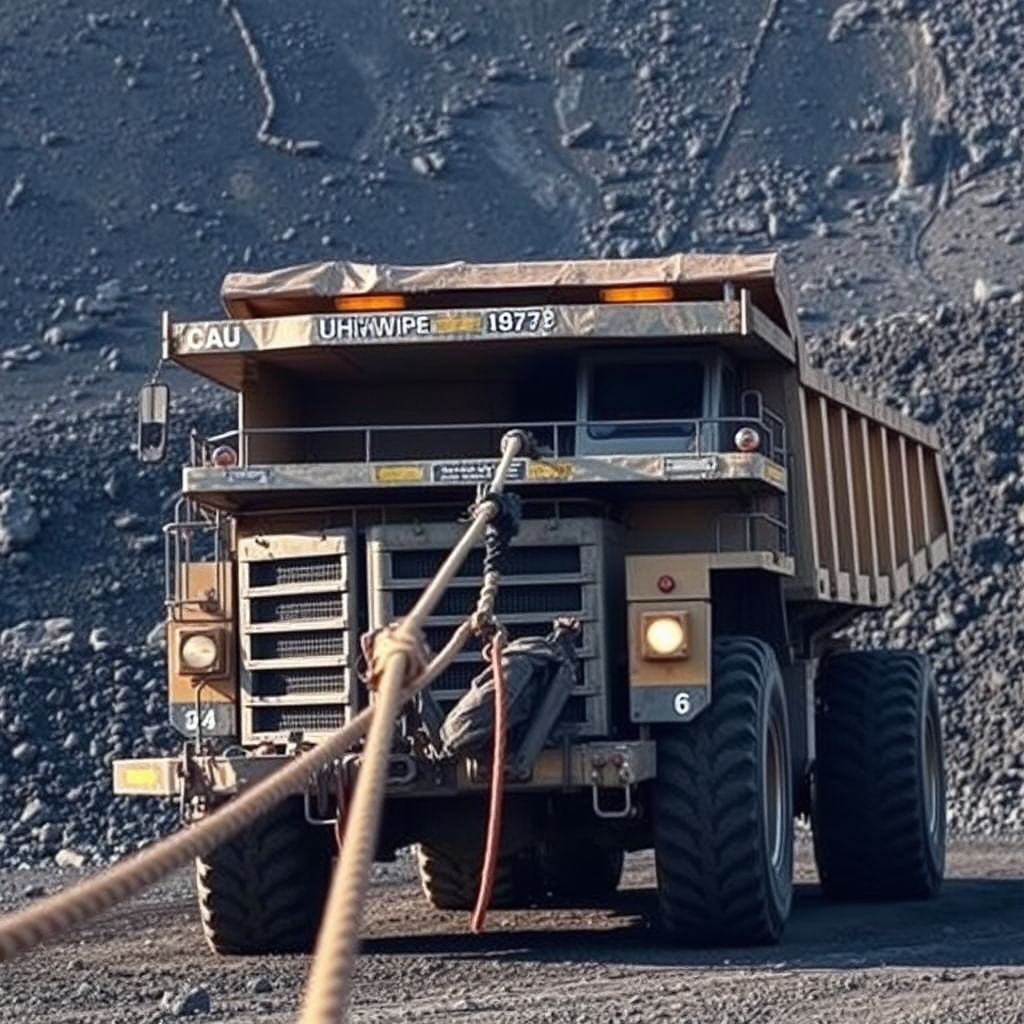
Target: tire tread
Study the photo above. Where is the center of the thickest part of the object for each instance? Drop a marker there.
(870, 836)
(713, 885)
(262, 891)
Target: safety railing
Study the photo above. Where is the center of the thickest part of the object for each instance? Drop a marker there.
(473, 440)
(750, 530)
(195, 536)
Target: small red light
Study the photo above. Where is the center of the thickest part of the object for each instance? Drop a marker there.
(666, 584)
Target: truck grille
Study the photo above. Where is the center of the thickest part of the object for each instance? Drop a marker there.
(311, 721)
(296, 570)
(552, 569)
(297, 628)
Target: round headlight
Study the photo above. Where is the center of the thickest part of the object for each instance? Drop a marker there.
(224, 456)
(747, 439)
(664, 635)
(199, 652)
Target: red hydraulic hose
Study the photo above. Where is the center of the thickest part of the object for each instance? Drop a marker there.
(490, 864)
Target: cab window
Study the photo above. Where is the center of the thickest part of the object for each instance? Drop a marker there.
(659, 391)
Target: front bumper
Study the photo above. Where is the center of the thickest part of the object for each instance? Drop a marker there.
(597, 765)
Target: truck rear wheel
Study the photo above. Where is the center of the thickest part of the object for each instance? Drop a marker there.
(263, 891)
(723, 807)
(450, 878)
(879, 795)
(580, 873)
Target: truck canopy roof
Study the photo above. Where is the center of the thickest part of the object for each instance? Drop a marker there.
(303, 288)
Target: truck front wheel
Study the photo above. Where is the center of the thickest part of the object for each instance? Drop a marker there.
(723, 807)
(450, 877)
(263, 891)
(879, 791)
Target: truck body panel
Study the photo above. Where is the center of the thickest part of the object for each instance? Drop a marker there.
(371, 403)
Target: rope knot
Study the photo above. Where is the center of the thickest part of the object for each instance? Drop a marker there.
(502, 526)
(507, 511)
(379, 646)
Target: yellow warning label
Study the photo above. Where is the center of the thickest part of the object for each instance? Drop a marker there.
(398, 474)
(773, 473)
(549, 471)
(457, 323)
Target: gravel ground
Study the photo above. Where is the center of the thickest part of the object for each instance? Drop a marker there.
(876, 143)
(956, 959)
(147, 149)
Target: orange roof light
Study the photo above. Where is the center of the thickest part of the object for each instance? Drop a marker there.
(638, 293)
(368, 303)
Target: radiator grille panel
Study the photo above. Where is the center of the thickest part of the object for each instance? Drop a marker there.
(286, 682)
(294, 570)
(520, 561)
(550, 571)
(438, 636)
(280, 646)
(297, 608)
(297, 625)
(311, 720)
(524, 599)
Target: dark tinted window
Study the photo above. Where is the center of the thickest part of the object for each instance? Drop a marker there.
(644, 391)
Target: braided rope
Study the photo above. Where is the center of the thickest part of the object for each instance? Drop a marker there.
(398, 658)
(50, 918)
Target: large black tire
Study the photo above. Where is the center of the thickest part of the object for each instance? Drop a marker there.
(580, 873)
(450, 878)
(264, 890)
(879, 791)
(723, 807)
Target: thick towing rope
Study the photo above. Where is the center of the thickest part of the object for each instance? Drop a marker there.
(400, 668)
(329, 990)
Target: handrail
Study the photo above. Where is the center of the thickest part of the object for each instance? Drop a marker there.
(178, 553)
(749, 519)
(772, 428)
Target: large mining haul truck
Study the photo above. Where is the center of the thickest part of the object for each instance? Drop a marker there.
(709, 514)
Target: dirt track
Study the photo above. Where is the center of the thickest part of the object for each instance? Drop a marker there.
(958, 959)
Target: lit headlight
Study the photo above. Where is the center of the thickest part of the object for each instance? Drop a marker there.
(199, 652)
(664, 635)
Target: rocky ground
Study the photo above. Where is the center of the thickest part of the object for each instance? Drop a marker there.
(957, 959)
(145, 150)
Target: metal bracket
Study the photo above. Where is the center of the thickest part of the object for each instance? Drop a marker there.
(317, 791)
(406, 769)
(617, 766)
(196, 786)
(342, 774)
(625, 811)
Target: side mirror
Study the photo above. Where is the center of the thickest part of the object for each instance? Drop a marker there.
(154, 413)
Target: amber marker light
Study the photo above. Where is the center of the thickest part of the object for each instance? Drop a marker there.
(368, 303)
(637, 293)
